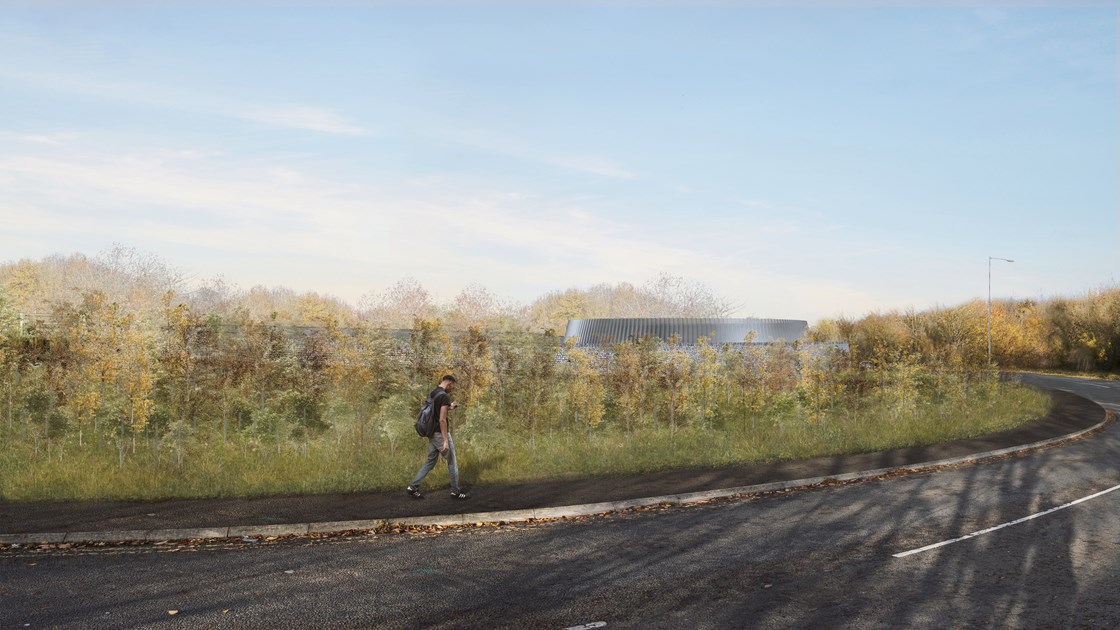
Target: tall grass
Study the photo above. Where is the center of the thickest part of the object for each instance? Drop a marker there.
(785, 435)
(489, 456)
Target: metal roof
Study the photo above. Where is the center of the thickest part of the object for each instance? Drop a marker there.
(598, 332)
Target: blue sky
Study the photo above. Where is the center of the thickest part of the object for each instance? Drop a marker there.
(804, 162)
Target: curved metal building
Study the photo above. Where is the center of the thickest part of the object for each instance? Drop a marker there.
(598, 332)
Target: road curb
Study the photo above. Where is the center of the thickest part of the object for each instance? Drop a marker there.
(521, 515)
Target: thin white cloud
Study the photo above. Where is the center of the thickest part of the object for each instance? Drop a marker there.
(753, 204)
(53, 139)
(312, 118)
(595, 166)
(499, 144)
(577, 246)
(305, 117)
(223, 206)
(170, 200)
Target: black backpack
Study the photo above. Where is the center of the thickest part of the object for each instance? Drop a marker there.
(427, 423)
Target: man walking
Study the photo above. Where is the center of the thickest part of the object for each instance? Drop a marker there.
(440, 443)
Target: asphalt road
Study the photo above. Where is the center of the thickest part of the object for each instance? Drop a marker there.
(823, 558)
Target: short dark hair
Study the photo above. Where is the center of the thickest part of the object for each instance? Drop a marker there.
(447, 379)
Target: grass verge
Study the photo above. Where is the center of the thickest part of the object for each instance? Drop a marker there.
(323, 466)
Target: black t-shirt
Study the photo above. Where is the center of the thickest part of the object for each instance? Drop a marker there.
(440, 399)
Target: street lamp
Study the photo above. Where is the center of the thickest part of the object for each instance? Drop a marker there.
(990, 259)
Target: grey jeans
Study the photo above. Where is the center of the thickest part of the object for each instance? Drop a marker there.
(435, 445)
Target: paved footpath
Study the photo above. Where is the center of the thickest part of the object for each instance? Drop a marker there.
(120, 520)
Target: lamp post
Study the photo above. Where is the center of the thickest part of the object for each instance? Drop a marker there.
(990, 259)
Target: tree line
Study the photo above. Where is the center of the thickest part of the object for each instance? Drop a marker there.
(1065, 333)
(98, 377)
(126, 364)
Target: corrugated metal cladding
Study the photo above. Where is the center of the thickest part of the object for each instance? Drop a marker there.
(598, 332)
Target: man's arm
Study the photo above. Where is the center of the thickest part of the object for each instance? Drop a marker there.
(443, 428)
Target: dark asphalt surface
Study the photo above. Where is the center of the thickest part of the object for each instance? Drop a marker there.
(820, 558)
(1070, 413)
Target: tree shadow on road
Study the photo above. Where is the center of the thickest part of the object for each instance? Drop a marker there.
(817, 559)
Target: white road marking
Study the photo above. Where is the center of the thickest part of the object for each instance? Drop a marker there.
(1015, 522)
(589, 626)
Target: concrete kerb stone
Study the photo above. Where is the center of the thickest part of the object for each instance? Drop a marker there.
(32, 539)
(442, 520)
(119, 536)
(343, 526)
(157, 535)
(505, 516)
(294, 529)
(512, 516)
(565, 511)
